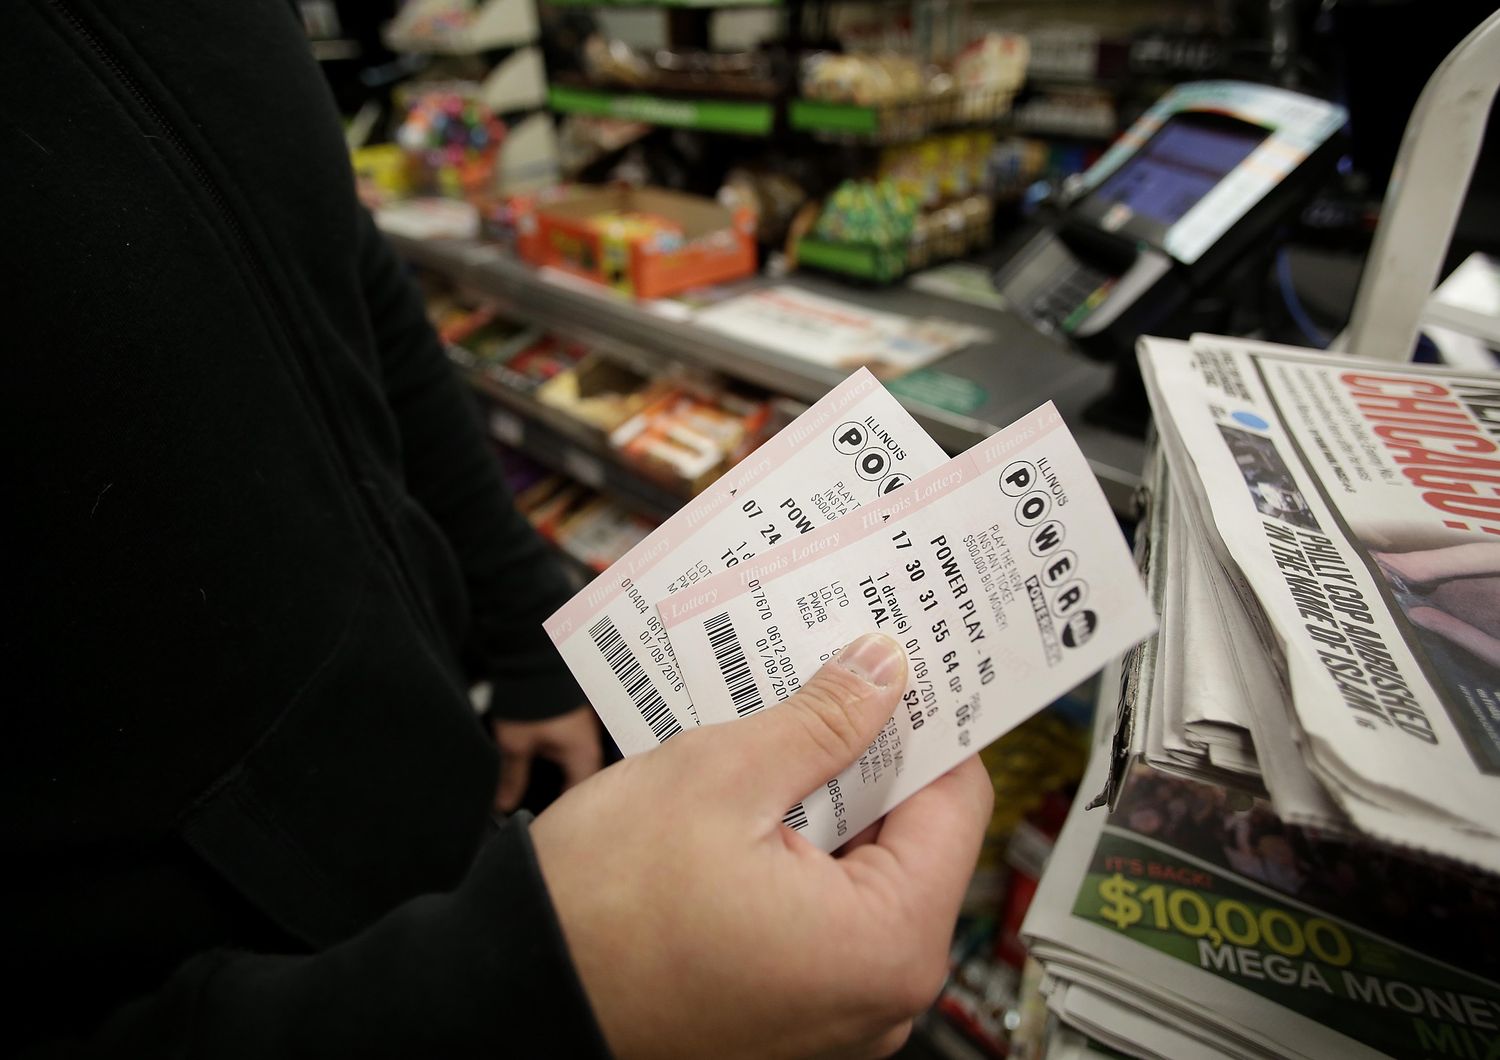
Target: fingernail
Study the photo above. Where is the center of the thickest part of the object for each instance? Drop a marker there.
(876, 658)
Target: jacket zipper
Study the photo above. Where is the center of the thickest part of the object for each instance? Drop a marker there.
(384, 534)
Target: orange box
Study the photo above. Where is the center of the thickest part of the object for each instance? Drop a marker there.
(708, 243)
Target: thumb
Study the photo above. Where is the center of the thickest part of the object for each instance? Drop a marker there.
(796, 746)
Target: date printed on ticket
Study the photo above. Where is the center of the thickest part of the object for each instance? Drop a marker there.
(1003, 574)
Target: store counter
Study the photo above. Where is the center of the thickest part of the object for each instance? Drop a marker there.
(960, 399)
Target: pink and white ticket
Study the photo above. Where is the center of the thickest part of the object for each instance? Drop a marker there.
(853, 446)
(1002, 572)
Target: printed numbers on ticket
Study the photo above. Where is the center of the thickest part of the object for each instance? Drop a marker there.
(1002, 573)
(855, 445)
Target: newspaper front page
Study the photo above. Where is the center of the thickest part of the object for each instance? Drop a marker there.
(1361, 504)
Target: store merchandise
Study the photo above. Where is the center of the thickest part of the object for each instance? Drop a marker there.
(589, 528)
(1066, 52)
(939, 168)
(551, 502)
(866, 80)
(1014, 164)
(875, 212)
(889, 97)
(429, 218)
(544, 357)
(922, 210)
(382, 174)
(600, 532)
(1070, 113)
(690, 438)
(646, 242)
(599, 391)
(451, 139)
(995, 61)
(1301, 855)
(772, 196)
(699, 70)
(835, 332)
(520, 471)
(461, 27)
(583, 139)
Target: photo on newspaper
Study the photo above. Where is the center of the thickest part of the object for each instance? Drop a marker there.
(1261, 938)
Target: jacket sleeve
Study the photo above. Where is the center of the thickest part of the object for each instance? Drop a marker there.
(514, 581)
(482, 971)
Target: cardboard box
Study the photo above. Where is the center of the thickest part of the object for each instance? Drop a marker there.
(700, 241)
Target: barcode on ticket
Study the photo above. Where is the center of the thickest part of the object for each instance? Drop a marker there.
(796, 817)
(634, 680)
(733, 666)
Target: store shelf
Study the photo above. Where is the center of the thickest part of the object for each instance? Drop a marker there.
(898, 122)
(959, 401)
(556, 440)
(745, 117)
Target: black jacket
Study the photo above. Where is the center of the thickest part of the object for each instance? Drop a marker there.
(254, 542)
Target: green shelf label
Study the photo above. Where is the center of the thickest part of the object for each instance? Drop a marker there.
(864, 260)
(710, 115)
(812, 115)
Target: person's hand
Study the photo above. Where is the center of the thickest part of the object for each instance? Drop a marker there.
(571, 740)
(701, 926)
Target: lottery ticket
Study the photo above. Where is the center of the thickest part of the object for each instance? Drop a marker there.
(855, 445)
(1003, 574)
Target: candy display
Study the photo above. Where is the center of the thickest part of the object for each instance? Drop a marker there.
(864, 80)
(887, 98)
(545, 358)
(382, 174)
(880, 230)
(600, 532)
(599, 391)
(690, 438)
(772, 196)
(941, 167)
(739, 73)
(644, 242)
(878, 212)
(452, 139)
(618, 229)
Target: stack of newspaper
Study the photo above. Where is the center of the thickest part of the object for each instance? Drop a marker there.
(1300, 852)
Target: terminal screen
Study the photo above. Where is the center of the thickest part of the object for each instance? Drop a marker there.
(1177, 167)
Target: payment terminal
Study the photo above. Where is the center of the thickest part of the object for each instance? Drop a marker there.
(1195, 185)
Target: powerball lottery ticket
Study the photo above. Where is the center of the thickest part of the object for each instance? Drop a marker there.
(1003, 574)
(853, 446)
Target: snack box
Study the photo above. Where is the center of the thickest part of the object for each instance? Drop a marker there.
(689, 438)
(645, 242)
(599, 391)
(601, 532)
